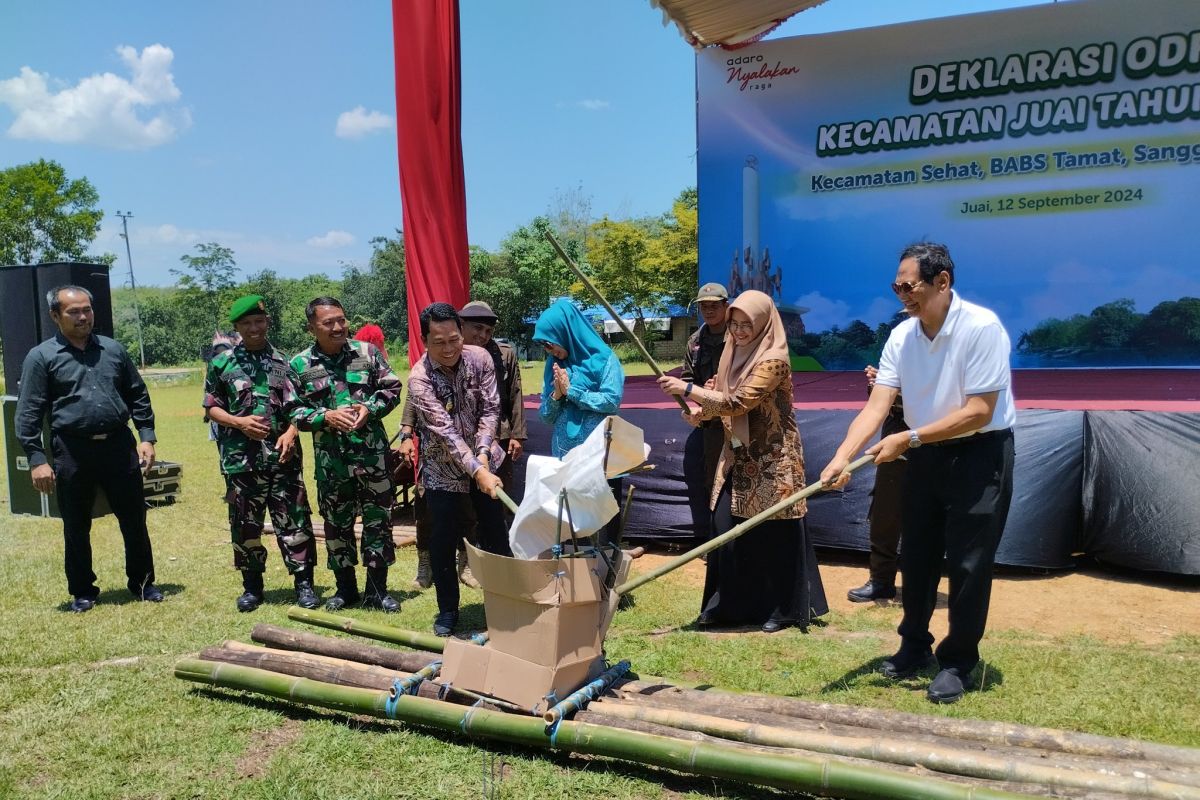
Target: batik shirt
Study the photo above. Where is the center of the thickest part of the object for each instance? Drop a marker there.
(358, 374)
(457, 413)
(251, 384)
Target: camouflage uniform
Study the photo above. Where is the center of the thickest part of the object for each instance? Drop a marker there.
(245, 383)
(352, 473)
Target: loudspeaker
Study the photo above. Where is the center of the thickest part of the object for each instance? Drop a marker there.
(19, 329)
(93, 277)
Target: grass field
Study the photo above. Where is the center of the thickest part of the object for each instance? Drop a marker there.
(89, 707)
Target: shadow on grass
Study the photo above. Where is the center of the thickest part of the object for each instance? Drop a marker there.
(123, 597)
(673, 783)
(984, 677)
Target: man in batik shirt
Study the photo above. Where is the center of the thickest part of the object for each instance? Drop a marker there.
(249, 392)
(348, 388)
(453, 391)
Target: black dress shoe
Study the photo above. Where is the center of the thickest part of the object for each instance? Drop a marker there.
(905, 663)
(82, 604)
(248, 601)
(773, 626)
(871, 591)
(947, 687)
(443, 623)
(149, 593)
(383, 602)
(706, 618)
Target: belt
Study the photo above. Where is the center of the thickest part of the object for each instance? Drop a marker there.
(975, 437)
(96, 437)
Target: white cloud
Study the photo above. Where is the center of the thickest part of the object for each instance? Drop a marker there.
(331, 239)
(594, 105)
(822, 313)
(101, 109)
(358, 122)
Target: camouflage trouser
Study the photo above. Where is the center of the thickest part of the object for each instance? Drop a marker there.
(250, 496)
(366, 493)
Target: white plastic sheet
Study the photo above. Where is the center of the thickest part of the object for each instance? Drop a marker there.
(582, 473)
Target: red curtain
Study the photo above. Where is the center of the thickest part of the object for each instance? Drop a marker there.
(429, 141)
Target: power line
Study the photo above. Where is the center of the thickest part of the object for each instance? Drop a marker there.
(137, 314)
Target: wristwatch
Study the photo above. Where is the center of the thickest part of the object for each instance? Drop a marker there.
(914, 440)
(404, 437)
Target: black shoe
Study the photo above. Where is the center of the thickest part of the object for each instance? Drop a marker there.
(947, 687)
(905, 663)
(706, 618)
(444, 622)
(376, 595)
(82, 604)
(347, 590)
(773, 626)
(306, 596)
(872, 591)
(149, 593)
(248, 602)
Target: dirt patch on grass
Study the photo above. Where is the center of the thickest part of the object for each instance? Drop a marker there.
(254, 763)
(1106, 606)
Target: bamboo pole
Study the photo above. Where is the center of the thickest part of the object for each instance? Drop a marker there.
(820, 775)
(895, 751)
(1003, 733)
(732, 533)
(612, 312)
(508, 501)
(368, 630)
(345, 649)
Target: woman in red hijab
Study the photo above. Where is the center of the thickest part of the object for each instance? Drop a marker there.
(769, 575)
(372, 334)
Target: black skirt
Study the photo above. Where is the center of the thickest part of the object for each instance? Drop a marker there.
(768, 573)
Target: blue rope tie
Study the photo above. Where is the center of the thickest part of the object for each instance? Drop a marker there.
(552, 730)
(389, 707)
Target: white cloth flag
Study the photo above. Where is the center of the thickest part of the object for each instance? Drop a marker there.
(581, 472)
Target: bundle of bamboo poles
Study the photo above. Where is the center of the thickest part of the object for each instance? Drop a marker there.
(820, 748)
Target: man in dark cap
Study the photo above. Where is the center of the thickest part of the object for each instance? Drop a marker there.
(478, 325)
(702, 450)
(89, 388)
(249, 393)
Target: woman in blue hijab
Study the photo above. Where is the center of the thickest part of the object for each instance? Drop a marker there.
(584, 381)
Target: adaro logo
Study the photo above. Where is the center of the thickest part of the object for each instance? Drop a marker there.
(753, 73)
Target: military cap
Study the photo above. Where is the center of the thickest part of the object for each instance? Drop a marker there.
(478, 310)
(248, 304)
(711, 291)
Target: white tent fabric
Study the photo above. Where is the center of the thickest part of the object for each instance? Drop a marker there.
(728, 23)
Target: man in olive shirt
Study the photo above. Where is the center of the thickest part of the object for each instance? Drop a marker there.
(90, 389)
(702, 450)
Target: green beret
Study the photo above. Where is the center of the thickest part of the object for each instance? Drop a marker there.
(250, 304)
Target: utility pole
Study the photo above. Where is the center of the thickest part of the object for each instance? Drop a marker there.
(137, 314)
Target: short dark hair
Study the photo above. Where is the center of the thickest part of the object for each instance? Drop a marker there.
(438, 312)
(310, 310)
(55, 305)
(932, 259)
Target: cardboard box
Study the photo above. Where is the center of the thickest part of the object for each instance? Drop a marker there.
(547, 619)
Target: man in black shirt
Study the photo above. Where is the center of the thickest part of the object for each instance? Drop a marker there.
(703, 447)
(90, 389)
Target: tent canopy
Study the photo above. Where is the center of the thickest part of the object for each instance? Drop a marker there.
(728, 23)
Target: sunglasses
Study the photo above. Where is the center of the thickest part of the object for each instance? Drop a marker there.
(906, 287)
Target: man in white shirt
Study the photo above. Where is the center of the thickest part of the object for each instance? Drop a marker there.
(951, 360)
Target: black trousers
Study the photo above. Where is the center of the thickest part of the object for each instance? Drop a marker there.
(80, 466)
(448, 524)
(701, 453)
(956, 500)
(885, 519)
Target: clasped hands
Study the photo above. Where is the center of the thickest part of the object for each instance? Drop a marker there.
(347, 418)
(562, 383)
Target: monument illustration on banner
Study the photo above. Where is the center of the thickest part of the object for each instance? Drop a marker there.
(752, 269)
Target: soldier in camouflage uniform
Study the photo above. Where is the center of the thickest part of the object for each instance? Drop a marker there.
(347, 389)
(249, 393)
(703, 447)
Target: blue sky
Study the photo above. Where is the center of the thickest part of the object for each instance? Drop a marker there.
(268, 126)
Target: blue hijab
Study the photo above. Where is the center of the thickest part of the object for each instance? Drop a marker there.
(587, 355)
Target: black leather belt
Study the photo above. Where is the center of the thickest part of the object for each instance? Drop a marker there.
(95, 437)
(975, 437)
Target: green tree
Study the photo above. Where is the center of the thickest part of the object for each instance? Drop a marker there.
(1171, 325)
(44, 216)
(205, 277)
(1112, 325)
(675, 251)
(620, 267)
(492, 283)
(379, 293)
(1054, 335)
(529, 260)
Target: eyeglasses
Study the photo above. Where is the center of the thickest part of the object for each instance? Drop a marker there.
(906, 287)
(748, 327)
